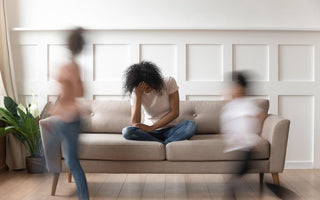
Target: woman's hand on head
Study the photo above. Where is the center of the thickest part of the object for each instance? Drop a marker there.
(140, 89)
(144, 127)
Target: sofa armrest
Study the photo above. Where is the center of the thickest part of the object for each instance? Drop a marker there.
(51, 144)
(275, 130)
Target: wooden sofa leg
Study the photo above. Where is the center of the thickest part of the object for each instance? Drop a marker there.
(275, 177)
(69, 177)
(261, 176)
(54, 183)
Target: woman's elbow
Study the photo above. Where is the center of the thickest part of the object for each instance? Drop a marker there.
(176, 114)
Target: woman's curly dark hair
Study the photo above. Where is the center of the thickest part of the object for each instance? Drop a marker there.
(144, 71)
(76, 41)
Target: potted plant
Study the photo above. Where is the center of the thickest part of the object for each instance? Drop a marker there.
(23, 123)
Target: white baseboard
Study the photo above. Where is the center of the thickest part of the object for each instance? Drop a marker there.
(298, 165)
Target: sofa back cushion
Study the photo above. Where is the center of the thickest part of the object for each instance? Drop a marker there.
(207, 113)
(112, 116)
(105, 116)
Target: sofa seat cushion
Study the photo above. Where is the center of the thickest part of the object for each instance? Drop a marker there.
(210, 148)
(112, 146)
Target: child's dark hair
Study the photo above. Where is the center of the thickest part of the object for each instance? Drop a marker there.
(76, 41)
(144, 71)
(240, 78)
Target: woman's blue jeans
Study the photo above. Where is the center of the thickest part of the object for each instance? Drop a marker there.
(184, 130)
(68, 133)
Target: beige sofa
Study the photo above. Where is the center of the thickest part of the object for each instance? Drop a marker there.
(103, 149)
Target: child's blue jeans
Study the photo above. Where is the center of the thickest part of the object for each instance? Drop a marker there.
(68, 133)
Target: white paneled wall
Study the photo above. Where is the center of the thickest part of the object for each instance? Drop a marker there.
(164, 55)
(204, 62)
(300, 110)
(296, 62)
(286, 66)
(110, 60)
(252, 57)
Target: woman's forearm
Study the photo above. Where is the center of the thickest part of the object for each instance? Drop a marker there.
(166, 119)
(136, 112)
(173, 114)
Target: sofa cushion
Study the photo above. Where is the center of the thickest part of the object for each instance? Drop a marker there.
(210, 147)
(207, 113)
(105, 116)
(114, 147)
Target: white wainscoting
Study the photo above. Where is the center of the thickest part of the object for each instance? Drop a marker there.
(286, 66)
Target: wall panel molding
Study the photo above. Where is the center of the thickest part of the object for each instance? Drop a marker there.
(204, 62)
(296, 62)
(285, 65)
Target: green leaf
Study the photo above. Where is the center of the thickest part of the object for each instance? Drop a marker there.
(9, 118)
(20, 137)
(4, 120)
(21, 113)
(31, 129)
(22, 125)
(3, 132)
(9, 128)
(6, 130)
(11, 106)
(11, 121)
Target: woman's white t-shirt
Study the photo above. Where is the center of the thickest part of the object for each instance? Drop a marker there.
(156, 105)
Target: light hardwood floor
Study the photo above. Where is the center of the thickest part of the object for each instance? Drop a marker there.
(23, 186)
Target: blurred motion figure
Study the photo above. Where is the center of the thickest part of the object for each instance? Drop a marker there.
(241, 118)
(240, 122)
(64, 126)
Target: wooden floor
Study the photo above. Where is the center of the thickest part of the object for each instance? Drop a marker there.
(23, 186)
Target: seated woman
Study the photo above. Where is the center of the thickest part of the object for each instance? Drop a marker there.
(159, 98)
